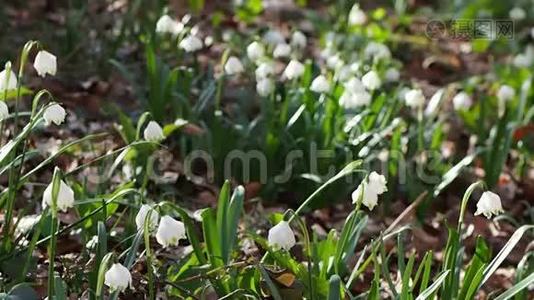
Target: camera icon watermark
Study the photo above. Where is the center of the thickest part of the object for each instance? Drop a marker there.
(470, 29)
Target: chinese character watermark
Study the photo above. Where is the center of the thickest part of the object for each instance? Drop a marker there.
(470, 29)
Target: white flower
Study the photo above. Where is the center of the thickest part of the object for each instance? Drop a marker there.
(255, 51)
(517, 14)
(264, 70)
(369, 198)
(414, 98)
(281, 236)
(45, 62)
(4, 110)
(170, 231)
(298, 40)
(489, 203)
(377, 51)
(92, 243)
(142, 215)
(233, 66)
(54, 114)
(320, 84)
(8, 83)
(357, 16)
(371, 81)
(371, 187)
(334, 62)
(282, 50)
(462, 101)
(377, 183)
(167, 24)
(273, 37)
(506, 93)
(153, 132)
(356, 99)
(294, 70)
(354, 85)
(191, 43)
(392, 75)
(265, 87)
(65, 196)
(118, 278)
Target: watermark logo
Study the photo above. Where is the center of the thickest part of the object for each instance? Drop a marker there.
(470, 29)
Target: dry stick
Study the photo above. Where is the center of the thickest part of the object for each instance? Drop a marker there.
(406, 211)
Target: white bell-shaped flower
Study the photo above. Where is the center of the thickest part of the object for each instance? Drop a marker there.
(377, 183)
(255, 51)
(4, 110)
(320, 84)
(281, 236)
(352, 100)
(369, 189)
(233, 66)
(334, 62)
(357, 16)
(369, 197)
(55, 113)
(167, 24)
(170, 231)
(118, 278)
(153, 132)
(489, 203)
(264, 70)
(462, 101)
(392, 75)
(298, 40)
(45, 63)
(142, 216)
(282, 50)
(517, 14)
(371, 81)
(414, 98)
(294, 70)
(5, 82)
(377, 51)
(354, 85)
(506, 93)
(191, 43)
(265, 87)
(65, 196)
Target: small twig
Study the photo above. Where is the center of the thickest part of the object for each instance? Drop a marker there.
(406, 211)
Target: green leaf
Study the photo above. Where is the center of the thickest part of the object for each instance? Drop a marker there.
(501, 256)
(517, 288)
(334, 288)
(433, 287)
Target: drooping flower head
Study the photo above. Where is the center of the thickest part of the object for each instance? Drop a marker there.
(281, 236)
(65, 196)
(142, 216)
(489, 203)
(118, 278)
(54, 114)
(170, 231)
(45, 63)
